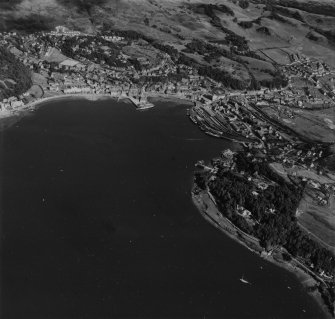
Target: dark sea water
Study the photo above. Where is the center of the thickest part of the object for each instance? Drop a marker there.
(97, 222)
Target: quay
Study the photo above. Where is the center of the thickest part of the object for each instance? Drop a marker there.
(140, 105)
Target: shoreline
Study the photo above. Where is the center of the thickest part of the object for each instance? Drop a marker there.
(91, 97)
(10, 117)
(168, 98)
(203, 206)
(34, 104)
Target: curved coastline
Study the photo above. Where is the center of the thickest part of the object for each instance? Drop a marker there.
(302, 276)
(34, 104)
(13, 115)
(208, 209)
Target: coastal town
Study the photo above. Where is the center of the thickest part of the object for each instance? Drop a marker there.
(151, 72)
(54, 74)
(268, 124)
(154, 73)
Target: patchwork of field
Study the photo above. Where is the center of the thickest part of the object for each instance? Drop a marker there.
(319, 220)
(175, 20)
(277, 55)
(315, 218)
(328, 178)
(314, 124)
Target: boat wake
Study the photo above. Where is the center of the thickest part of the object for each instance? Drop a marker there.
(245, 281)
(194, 139)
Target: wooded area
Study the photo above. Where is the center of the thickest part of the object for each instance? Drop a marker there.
(15, 78)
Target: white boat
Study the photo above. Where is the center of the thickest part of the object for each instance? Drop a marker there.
(244, 281)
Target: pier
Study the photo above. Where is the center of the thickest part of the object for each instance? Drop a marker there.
(140, 103)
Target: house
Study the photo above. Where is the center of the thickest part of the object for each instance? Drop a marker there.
(16, 104)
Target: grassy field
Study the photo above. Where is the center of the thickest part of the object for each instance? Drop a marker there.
(142, 51)
(54, 55)
(316, 219)
(234, 68)
(277, 55)
(315, 124)
(172, 19)
(301, 172)
(319, 220)
(260, 68)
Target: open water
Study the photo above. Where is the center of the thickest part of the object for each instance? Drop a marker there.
(97, 222)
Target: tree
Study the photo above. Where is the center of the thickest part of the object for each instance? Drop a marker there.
(201, 180)
(244, 4)
(12, 68)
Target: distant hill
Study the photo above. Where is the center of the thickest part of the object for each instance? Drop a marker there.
(258, 25)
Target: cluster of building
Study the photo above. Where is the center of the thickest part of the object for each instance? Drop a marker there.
(11, 103)
(233, 115)
(316, 80)
(242, 118)
(79, 75)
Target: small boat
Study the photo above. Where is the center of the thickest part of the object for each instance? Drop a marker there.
(244, 281)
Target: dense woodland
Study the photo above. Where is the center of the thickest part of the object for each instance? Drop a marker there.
(276, 228)
(273, 229)
(11, 69)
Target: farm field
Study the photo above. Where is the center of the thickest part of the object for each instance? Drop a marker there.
(319, 220)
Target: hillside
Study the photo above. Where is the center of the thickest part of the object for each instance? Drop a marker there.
(324, 7)
(253, 38)
(15, 78)
(286, 24)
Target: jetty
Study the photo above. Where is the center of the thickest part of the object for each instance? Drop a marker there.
(140, 103)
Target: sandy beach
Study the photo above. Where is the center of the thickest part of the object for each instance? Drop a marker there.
(33, 105)
(92, 97)
(10, 117)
